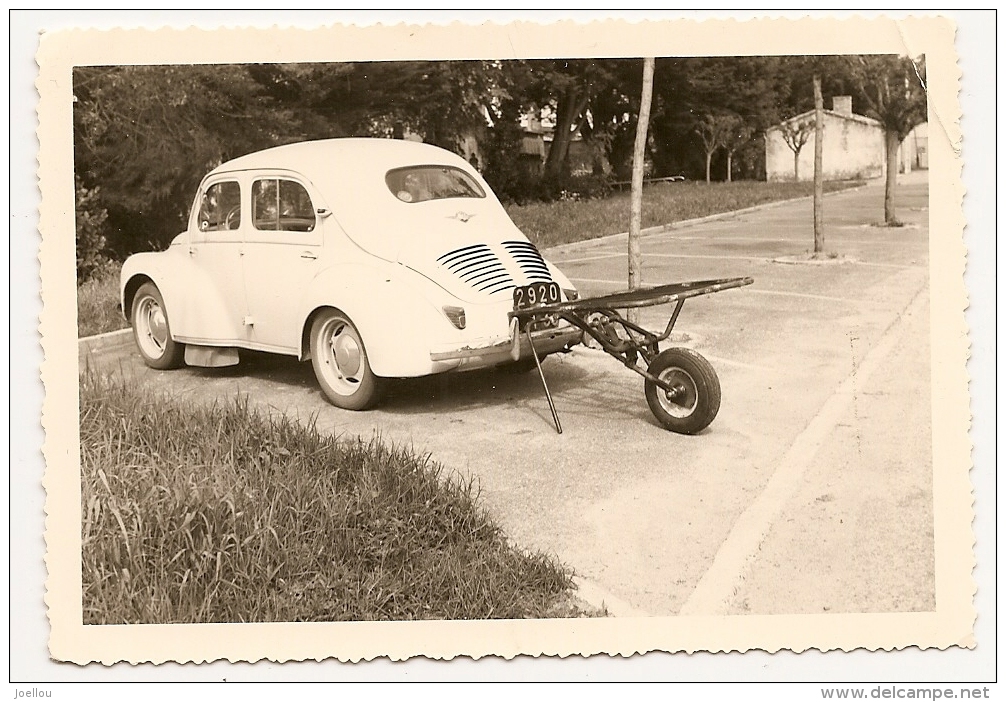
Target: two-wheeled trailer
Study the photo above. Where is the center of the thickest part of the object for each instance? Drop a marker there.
(681, 387)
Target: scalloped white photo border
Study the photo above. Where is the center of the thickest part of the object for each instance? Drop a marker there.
(950, 625)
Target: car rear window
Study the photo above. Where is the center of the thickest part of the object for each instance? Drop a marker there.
(421, 183)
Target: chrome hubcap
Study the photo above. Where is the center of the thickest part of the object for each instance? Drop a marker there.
(347, 353)
(152, 327)
(344, 357)
(680, 401)
(158, 326)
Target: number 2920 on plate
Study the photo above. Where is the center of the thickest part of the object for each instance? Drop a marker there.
(536, 295)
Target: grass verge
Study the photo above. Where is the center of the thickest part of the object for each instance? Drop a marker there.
(223, 514)
(97, 300)
(567, 221)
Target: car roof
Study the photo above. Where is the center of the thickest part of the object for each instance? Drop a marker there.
(349, 175)
(315, 157)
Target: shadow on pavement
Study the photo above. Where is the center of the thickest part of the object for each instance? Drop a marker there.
(445, 391)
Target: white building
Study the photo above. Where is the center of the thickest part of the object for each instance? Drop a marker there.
(853, 146)
(914, 154)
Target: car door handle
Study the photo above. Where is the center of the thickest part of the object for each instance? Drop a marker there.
(308, 254)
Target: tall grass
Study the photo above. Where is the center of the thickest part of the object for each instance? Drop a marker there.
(97, 301)
(223, 514)
(566, 221)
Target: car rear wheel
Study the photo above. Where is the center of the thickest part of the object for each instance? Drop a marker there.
(340, 362)
(152, 331)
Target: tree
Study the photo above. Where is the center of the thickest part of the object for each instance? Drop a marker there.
(714, 130)
(501, 152)
(755, 88)
(735, 139)
(569, 89)
(610, 131)
(638, 158)
(145, 135)
(796, 134)
(818, 166)
(442, 101)
(90, 219)
(893, 89)
(570, 109)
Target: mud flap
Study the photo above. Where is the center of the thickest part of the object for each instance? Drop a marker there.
(210, 356)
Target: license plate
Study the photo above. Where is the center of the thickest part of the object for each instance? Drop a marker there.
(536, 295)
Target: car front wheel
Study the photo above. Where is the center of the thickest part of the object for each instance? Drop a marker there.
(152, 331)
(340, 362)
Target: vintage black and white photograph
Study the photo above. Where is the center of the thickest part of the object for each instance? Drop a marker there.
(570, 340)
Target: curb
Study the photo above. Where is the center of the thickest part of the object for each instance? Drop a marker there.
(681, 224)
(108, 340)
(796, 261)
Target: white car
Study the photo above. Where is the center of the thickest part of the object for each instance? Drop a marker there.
(374, 258)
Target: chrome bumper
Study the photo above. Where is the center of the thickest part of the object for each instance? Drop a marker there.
(546, 341)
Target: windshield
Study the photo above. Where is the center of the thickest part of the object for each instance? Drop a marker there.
(419, 183)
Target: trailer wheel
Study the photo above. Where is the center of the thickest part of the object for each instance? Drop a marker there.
(695, 400)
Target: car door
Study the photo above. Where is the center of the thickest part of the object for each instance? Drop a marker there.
(283, 245)
(214, 307)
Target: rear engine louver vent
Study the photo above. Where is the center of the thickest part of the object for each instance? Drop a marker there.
(530, 261)
(477, 266)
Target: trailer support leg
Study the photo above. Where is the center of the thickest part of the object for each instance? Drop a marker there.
(541, 374)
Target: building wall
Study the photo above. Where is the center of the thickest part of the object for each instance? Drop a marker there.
(852, 149)
(915, 149)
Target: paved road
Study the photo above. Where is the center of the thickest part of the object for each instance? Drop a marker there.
(812, 490)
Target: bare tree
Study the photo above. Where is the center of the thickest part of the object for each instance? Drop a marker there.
(638, 159)
(796, 133)
(714, 131)
(736, 138)
(895, 92)
(818, 166)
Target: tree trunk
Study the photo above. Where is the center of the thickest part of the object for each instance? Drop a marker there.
(818, 166)
(796, 166)
(891, 142)
(638, 162)
(730, 165)
(709, 165)
(571, 104)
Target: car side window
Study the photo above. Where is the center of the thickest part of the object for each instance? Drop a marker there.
(220, 209)
(282, 205)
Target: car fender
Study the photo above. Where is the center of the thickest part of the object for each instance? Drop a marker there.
(396, 319)
(152, 266)
(194, 306)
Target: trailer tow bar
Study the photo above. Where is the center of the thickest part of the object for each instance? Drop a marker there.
(681, 387)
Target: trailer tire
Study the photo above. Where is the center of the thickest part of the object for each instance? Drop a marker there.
(698, 399)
